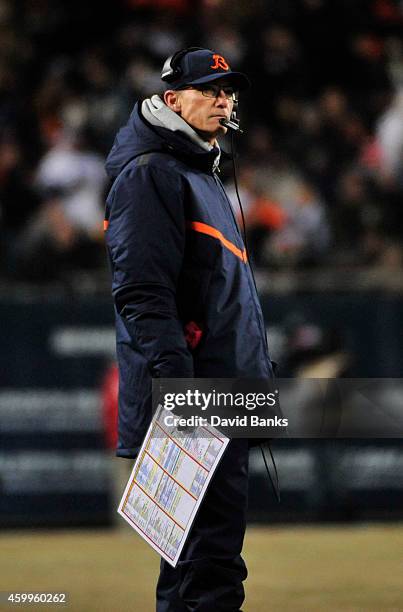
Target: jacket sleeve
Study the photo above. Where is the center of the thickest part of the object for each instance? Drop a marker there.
(146, 240)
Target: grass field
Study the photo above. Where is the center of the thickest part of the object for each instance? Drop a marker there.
(291, 569)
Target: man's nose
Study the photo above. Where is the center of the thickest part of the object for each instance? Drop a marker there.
(221, 98)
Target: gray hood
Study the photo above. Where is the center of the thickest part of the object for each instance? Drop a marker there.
(156, 112)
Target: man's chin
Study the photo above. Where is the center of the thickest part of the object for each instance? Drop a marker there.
(209, 136)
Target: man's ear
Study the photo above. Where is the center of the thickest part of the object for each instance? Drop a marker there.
(172, 100)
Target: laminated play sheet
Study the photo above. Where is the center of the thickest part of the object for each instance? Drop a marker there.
(168, 482)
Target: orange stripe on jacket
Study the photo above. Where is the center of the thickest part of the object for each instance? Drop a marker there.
(203, 228)
(106, 223)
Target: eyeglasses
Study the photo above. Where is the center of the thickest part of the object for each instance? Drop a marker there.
(213, 91)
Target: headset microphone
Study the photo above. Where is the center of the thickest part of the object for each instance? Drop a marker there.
(231, 124)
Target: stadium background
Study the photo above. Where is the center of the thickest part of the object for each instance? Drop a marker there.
(320, 171)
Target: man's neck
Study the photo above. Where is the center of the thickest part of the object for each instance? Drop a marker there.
(211, 140)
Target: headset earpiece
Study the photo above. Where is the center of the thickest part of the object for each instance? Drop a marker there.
(171, 69)
(167, 71)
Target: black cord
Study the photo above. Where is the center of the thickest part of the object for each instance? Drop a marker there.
(276, 485)
(234, 169)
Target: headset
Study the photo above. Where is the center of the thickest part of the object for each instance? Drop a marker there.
(172, 70)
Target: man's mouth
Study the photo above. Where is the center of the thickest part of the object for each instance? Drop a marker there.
(219, 117)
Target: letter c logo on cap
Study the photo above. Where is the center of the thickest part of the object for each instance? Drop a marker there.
(219, 62)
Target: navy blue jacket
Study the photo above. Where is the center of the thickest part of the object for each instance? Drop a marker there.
(185, 300)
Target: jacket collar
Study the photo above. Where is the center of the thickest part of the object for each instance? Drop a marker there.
(139, 136)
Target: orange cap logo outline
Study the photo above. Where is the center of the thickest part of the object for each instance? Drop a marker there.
(219, 62)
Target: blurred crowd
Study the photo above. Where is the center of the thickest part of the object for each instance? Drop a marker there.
(320, 163)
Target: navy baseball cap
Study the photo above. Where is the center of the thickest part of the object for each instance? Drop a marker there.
(195, 66)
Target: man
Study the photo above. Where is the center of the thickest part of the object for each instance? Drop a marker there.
(185, 301)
